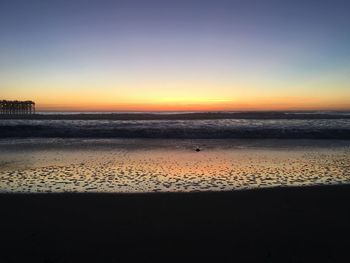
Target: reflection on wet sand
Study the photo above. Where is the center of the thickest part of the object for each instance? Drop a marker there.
(175, 168)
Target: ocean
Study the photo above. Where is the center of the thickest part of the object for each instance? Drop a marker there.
(287, 125)
(208, 129)
(177, 152)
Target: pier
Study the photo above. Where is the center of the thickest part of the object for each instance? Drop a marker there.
(17, 107)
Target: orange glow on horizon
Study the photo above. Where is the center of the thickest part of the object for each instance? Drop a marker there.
(189, 105)
(157, 100)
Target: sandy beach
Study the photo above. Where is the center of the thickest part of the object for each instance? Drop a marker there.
(118, 195)
(306, 224)
(118, 200)
(143, 166)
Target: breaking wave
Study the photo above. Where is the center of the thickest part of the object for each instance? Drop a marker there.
(203, 129)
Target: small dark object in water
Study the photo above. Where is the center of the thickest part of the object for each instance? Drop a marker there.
(198, 150)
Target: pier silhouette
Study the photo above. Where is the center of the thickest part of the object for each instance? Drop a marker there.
(17, 107)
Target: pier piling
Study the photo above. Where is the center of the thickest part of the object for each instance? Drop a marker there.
(16, 107)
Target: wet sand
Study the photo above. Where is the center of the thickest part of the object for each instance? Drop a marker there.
(308, 224)
(138, 165)
(160, 200)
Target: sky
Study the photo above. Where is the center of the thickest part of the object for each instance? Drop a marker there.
(147, 55)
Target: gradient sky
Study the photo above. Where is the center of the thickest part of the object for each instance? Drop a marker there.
(176, 55)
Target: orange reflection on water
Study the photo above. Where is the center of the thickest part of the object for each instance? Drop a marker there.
(176, 167)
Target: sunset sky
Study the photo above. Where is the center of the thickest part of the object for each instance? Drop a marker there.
(176, 55)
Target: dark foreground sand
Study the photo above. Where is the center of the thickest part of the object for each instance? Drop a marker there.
(310, 224)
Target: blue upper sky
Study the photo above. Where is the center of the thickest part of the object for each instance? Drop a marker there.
(230, 54)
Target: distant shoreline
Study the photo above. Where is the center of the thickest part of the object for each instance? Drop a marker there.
(290, 115)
